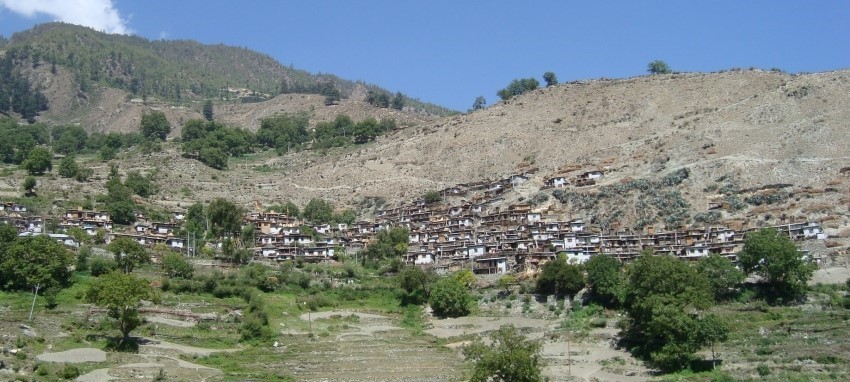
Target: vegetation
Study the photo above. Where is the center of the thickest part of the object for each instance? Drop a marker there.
(550, 78)
(517, 87)
(560, 278)
(450, 298)
(29, 261)
(479, 104)
(774, 257)
(39, 160)
(604, 276)
(508, 357)
(154, 126)
(121, 295)
(128, 254)
(721, 274)
(665, 302)
(658, 67)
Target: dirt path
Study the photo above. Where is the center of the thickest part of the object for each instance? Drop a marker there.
(74, 356)
(186, 349)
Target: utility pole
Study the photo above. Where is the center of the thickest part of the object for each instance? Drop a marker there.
(34, 295)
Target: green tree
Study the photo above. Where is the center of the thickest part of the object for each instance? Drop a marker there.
(398, 101)
(479, 104)
(605, 278)
(721, 274)
(139, 184)
(208, 110)
(560, 278)
(318, 211)
(550, 79)
(288, 209)
(224, 217)
(517, 87)
(663, 301)
(417, 284)
(465, 277)
(68, 167)
(712, 330)
(658, 67)
(39, 160)
(29, 185)
(154, 125)
(506, 282)
(30, 261)
(774, 257)
(213, 157)
(509, 357)
(176, 265)
(432, 196)
(120, 294)
(128, 254)
(450, 298)
(389, 244)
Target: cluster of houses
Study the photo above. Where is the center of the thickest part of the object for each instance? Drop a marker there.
(482, 233)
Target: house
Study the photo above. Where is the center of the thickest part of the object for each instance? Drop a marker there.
(517, 179)
(490, 265)
(555, 182)
(178, 215)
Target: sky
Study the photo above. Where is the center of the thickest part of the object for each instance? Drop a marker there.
(449, 52)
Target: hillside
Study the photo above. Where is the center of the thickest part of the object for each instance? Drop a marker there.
(759, 148)
(78, 66)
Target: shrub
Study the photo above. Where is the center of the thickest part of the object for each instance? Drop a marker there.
(69, 372)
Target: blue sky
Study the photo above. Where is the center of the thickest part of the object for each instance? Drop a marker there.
(449, 52)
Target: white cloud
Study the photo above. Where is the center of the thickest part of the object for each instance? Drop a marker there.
(98, 14)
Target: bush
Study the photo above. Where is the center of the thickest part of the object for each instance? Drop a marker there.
(101, 266)
(450, 298)
(763, 370)
(69, 372)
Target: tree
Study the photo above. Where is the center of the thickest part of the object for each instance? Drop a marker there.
(225, 218)
(29, 185)
(550, 79)
(30, 261)
(208, 110)
(721, 275)
(663, 301)
(68, 167)
(604, 276)
(517, 87)
(658, 67)
(432, 196)
(121, 295)
(417, 284)
(154, 126)
(288, 209)
(38, 161)
(560, 278)
(450, 298)
(139, 184)
(507, 281)
(479, 104)
(712, 331)
(175, 265)
(398, 101)
(509, 357)
(465, 277)
(318, 211)
(774, 257)
(128, 254)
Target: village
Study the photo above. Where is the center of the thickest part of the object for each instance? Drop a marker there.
(481, 233)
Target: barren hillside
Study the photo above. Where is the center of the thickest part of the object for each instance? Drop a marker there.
(740, 130)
